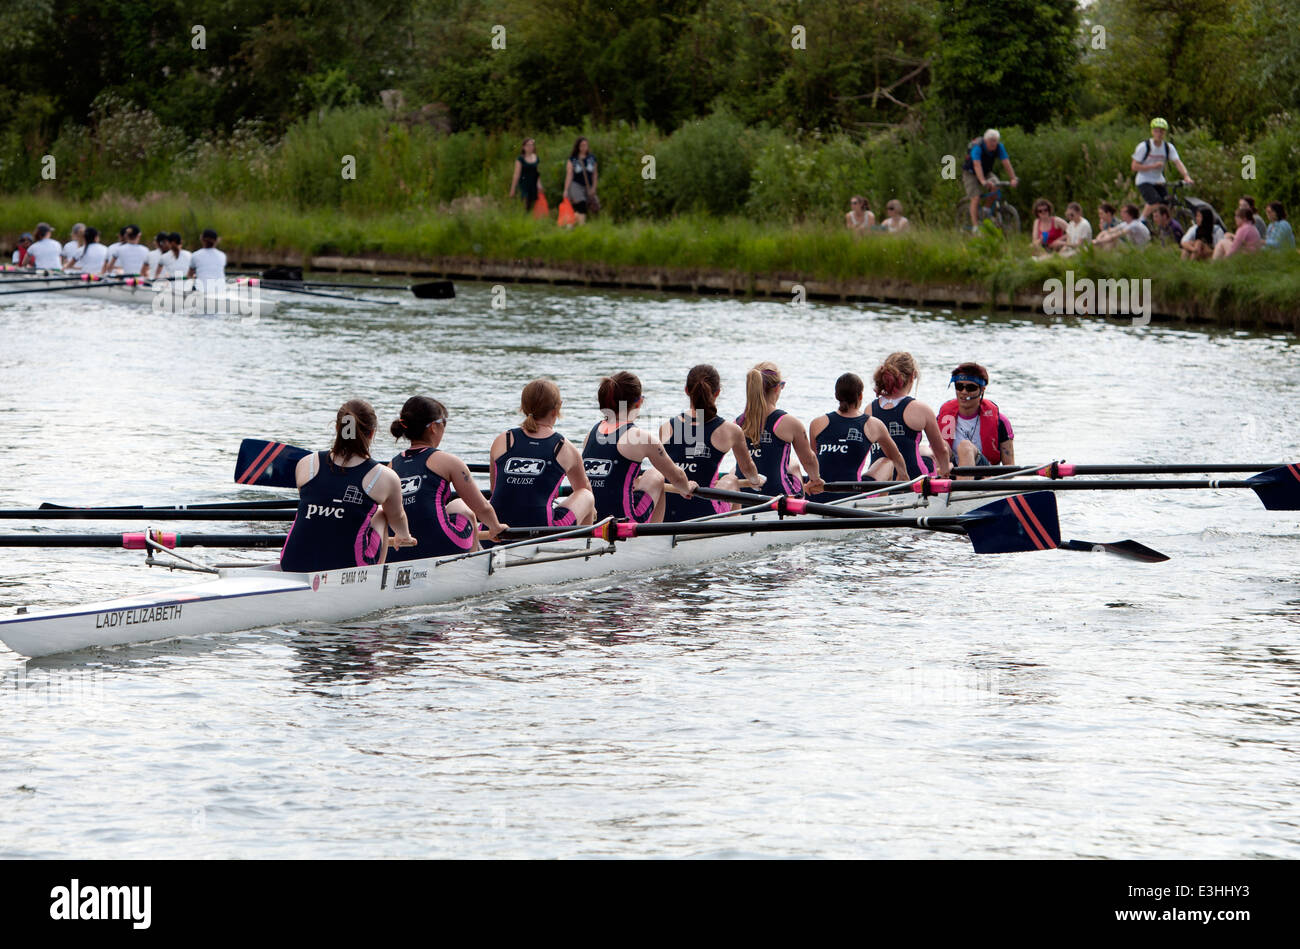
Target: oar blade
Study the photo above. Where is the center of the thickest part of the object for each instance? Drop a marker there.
(1128, 549)
(268, 464)
(1279, 488)
(1020, 523)
(437, 290)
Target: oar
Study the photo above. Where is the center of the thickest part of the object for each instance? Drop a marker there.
(1129, 549)
(271, 464)
(434, 290)
(1012, 525)
(166, 508)
(135, 513)
(1278, 488)
(136, 540)
(1059, 469)
(7, 281)
(289, 288)
(81, 284)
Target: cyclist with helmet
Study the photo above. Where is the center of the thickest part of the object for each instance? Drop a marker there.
(1149, 160)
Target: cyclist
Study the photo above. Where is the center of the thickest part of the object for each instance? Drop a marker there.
(976, 170)
(1149, 160)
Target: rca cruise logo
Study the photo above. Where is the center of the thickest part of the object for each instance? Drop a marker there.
(411, 485)
(598, 467)
(525, 466)
(75, 901)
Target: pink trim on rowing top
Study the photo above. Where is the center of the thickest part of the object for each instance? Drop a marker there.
(363, 545)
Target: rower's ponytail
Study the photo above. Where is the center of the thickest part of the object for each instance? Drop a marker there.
(354, 427)
(540, 398)
(618, 393)
(702, 385)
(759, 381)
(848, 390)
(898, 370)
(418, 413)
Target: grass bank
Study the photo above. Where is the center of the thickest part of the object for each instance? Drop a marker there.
(1236, 292)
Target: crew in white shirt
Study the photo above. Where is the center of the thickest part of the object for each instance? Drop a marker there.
(112, 248)
(130, 255)
(93, 254)
(153, 264)
(46, 252)
(72, 249)
(207, 264)
(176, 262)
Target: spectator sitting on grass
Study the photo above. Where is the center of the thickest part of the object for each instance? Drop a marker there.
(1280, 235)
(1130, 229)
(859, 219)
(1244, 240)
(1248, 201)
(1049, 230)
(1077, 229)
(895, 222)
(1105, 216)
(1201, 239)
(1167, 230)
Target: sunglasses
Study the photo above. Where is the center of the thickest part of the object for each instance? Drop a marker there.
(966, 387)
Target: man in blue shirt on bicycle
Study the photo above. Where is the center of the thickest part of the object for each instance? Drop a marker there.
(977, 169)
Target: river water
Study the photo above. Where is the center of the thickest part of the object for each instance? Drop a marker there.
(896, 696)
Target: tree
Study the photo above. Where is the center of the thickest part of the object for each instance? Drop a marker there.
(1010, 63)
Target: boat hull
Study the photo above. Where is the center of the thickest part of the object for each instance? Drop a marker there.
(233, 299)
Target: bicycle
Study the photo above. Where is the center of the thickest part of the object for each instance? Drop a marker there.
(992, 208)
(1183, 209)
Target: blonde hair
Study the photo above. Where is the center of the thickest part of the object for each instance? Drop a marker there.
(759, 381)
(894, 373)
(539, 399)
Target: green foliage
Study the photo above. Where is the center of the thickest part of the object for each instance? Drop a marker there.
(1014, 61)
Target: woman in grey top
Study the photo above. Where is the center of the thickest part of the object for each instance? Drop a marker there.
(580, 180)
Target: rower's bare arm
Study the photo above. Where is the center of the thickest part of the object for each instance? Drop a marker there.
(673, 474)
(388, 492)
(571, 461)
(498, 449)
(1008, 449)
(807, 457)
(744, 460)
(451, 469)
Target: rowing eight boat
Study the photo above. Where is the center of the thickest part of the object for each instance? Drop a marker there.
(235, 298)
(254, 597)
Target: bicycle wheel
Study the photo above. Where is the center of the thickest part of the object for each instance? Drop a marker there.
(1008, 219)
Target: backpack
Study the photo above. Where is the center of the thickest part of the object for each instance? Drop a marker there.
(968, 164)
(1147, 145)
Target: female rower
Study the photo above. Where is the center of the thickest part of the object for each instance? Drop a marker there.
(771, 433)
(905, 419)
(843, 438)
(528, 463)
(698, 441)
(341, 493)
(614, 450)
(428, 475)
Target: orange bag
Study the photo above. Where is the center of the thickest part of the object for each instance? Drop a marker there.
(540, 207)
(567, 216)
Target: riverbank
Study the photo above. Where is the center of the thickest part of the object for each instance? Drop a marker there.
(697, 254)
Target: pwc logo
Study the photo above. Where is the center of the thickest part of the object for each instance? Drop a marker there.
(324, 510)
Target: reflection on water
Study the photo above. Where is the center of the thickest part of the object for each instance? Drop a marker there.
(894, 696)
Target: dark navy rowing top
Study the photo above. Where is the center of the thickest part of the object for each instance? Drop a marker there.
(612, 476)
(425, 495)
(332, 528)
(842, 451)
(691, 448)
(906, 438)
(772, 456)
(528, 477)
